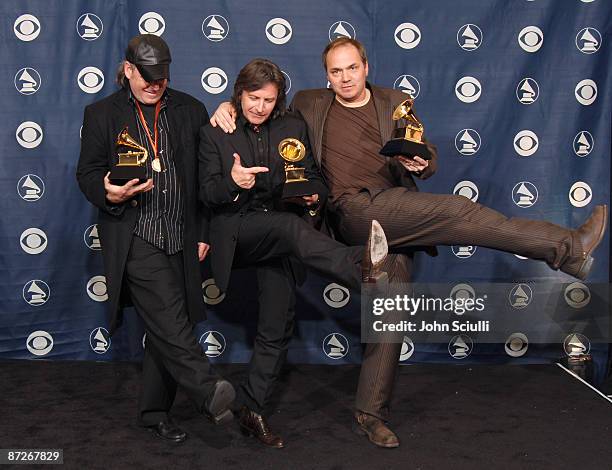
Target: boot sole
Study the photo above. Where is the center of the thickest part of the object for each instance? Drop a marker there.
(217, 410)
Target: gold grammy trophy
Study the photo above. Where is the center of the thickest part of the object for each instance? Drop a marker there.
(408, 140)
(296, 184)
(131, 163)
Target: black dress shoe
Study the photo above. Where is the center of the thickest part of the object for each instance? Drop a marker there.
(253, 424)
(216, 406)
(169, 431)
(376, 251)
(590, 235)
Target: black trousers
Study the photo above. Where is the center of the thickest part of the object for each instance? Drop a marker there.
(172, 354)
(274, 242)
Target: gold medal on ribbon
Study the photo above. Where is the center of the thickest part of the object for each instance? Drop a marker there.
(156, 165)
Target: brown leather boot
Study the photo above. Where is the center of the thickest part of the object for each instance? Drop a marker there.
(253, 424)
(376, 251)
(377, 431)
(588, 235)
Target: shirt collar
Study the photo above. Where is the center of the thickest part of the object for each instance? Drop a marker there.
(245, 124)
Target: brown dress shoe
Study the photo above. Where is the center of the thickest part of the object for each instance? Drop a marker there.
(377, 431)
(253, 424)
(376, 251)
(589, 235)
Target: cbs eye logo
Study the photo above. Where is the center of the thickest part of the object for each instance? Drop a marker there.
(407, 35)
(278, 31)
(586, 92)
(151, 23)
(39, 343)
(580, 194)
(407, 349)
(287, 81)
(531, 39)
(214, 80)
(33, 241)
(96, 289)
(90, 79)
(577, 295)
(526, 143)
(29, 134)
(341, 29)
(516, 345)
(468, 89)
(26, 27)
(466, 189)
(336, 296)
(212, 294)
(462, 292)
(409, 85)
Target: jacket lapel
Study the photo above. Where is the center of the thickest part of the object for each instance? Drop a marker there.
(384, 111)
(238, 141)
(123, 115)
(175, 133)
(320, 109)
(277, 133)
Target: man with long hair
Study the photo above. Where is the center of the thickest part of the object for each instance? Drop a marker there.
(242, 179)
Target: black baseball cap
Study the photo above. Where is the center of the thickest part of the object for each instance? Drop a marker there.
(151, 55)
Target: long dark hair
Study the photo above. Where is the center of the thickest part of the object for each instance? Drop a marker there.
(120, 78)
(255, 75)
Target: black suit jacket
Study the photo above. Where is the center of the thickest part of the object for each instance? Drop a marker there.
(226, 200)
(102, 123)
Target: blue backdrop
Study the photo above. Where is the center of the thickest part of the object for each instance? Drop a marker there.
(516, 95)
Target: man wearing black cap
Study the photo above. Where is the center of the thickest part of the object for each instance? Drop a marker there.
(154, 232)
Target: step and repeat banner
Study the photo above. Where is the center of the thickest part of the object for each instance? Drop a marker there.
(514, 93)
